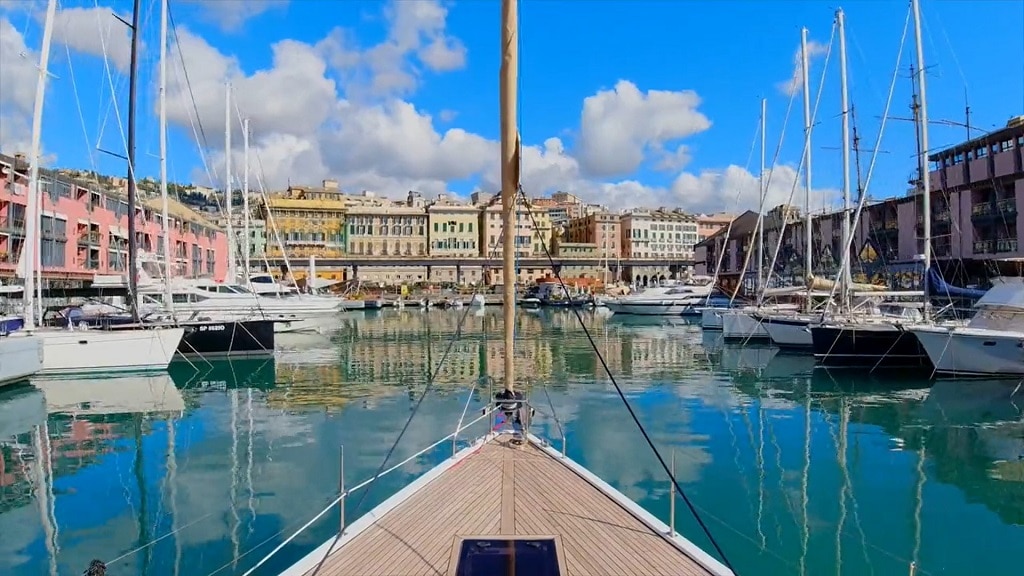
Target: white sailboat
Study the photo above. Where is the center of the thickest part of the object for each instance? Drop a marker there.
(509, 503)
(73, 349)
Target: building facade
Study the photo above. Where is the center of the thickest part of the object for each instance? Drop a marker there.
(84, 230)
(308, 221)
(602, 229)
(708, 224)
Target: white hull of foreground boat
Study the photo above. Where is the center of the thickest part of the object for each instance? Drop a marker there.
(21, 356)
(740, 325)
(98, 351)
(972, 351)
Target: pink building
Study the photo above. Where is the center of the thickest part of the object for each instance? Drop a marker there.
(84, 232)
(601, 229)
(978, 196)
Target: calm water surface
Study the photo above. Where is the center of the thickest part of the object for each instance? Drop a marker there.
(796, 471)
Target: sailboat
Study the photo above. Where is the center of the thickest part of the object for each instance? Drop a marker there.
(874, 341)
(509, 503)
(73, 349)
(203, 336)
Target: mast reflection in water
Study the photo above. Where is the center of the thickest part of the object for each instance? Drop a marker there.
(211, 466)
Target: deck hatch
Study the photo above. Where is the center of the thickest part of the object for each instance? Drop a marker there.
(522, 556)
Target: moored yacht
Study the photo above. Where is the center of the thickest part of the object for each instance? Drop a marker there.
(871, 341)
(990, 343)
(672, 300)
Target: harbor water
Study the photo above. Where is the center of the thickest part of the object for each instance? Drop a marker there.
(795, 470)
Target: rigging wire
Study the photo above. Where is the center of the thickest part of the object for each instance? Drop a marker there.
(412, 415)
(629, 407)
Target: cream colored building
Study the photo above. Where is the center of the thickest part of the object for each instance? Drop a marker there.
(453, 229)
(386, 228)
(635, 229)
(673, 234)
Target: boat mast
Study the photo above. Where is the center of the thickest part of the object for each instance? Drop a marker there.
(926, 185)
(168, 299)
(845, 279)
(764, 194)
(509, 175)
(28, 246)
(227, 182)
(808, 232)
(245, 198)
(133, 249)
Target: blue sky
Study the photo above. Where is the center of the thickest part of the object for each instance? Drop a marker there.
(651, 102)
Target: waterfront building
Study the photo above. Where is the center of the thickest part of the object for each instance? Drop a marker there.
(257, 235)
(310, 221)
(532, 229)
(84, 230)
(660, 233)
(708, 224)
(452, 229)
(602, 229)
(978, 196)
(382, 227)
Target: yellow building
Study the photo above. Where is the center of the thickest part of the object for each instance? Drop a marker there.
(309, 221)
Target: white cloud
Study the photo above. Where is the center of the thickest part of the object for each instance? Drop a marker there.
(795, 83)
(349, 121)
(619, 126)
(94, 31)
(416, 33)
(230, 15)
(18, 76)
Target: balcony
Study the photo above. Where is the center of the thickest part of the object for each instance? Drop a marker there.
(93, 238)
(983, 247)
(1006, 245)
(1007, 206)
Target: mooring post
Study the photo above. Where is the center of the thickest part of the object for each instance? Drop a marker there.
(913, 568)
(672, 498)
(563, 444)
(341, 490)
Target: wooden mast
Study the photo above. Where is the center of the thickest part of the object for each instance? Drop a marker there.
(509, 175)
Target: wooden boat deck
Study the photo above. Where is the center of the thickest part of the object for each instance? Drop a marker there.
(504, 490)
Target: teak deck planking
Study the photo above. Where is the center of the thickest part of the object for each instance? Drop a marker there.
(509, 490)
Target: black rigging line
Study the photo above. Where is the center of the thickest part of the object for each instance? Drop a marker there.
(625, 401)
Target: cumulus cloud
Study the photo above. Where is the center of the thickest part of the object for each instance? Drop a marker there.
(795, 83)
(417, 33)
(94, 31)
(230, 15)
(619, 126)
(351, 121)
(18, 77)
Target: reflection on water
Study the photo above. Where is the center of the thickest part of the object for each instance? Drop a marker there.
(797, 470)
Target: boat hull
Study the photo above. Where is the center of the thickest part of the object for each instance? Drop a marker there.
(115, 350)
(740, 325)
(867, 346)
(237, 339)
(967, 352)
(666, 308)
(21, 356)
(789, 333)
(711, 318)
